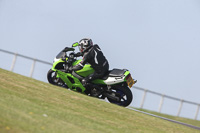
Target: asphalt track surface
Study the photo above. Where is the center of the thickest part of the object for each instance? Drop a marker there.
(181, 123)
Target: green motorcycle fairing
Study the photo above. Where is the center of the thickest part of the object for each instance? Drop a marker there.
(86, 71)
(72, 82)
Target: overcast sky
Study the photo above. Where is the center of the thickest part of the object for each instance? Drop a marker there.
(157, 40)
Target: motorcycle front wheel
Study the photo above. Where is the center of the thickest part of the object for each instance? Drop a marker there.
(123, 93)
(51, 77)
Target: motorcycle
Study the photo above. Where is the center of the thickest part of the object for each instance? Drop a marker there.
(115, 85)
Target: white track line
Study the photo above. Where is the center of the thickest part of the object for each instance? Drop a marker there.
(188, 125)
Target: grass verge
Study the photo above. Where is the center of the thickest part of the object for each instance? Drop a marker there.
(28, 105)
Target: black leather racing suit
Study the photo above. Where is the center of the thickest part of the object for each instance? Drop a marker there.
(94, 56)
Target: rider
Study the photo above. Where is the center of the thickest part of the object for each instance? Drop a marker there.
(93, 55)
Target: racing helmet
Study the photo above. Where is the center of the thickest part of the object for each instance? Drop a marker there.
(84, 44)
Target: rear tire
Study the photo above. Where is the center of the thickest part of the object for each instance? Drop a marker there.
(125, 95)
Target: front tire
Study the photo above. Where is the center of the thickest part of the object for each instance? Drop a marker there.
(51, 77)
(124, 94)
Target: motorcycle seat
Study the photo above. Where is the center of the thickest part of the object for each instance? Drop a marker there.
(117, 73)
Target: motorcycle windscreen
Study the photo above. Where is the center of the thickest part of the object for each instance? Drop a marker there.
(61, 55)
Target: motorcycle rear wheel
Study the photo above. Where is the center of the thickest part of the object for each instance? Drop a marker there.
(124, 93)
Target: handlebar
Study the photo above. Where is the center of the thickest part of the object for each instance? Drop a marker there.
(72, 55)
(67, 49)
(78, 54)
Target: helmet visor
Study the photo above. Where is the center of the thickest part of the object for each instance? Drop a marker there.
(80, 48)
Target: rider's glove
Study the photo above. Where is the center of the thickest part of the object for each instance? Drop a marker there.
(78, 54)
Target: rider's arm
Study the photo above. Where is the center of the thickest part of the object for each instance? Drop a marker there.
(82, 63)
(78, 54)
(77, 67)
(86, 58)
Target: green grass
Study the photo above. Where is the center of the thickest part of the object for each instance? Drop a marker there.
(28, 105)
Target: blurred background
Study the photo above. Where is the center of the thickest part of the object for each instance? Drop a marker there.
(158, 41)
